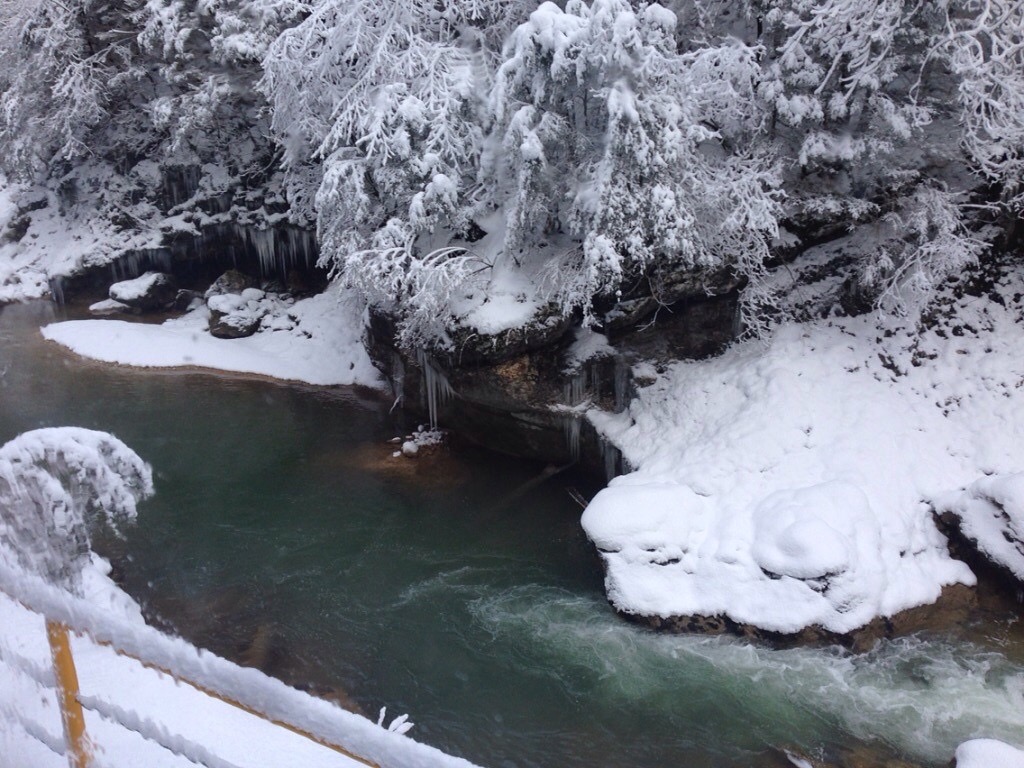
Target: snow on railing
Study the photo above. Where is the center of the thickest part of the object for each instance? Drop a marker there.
(350, 735)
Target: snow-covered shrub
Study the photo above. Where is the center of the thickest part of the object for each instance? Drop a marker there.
(920, 244)
(53, 484)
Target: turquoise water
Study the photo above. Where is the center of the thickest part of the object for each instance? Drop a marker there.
(284, 534)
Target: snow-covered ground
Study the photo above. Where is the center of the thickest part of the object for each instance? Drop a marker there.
(316, 340)
(787, 484)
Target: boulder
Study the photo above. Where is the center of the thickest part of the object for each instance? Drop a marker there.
(186, 300)
(233, 325)
(231, 281)
(230, 317)
(986, 520)
(109, 307)
(149, 292)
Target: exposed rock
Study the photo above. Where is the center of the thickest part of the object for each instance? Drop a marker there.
(953, 607)
(985, 524)
(297, 283)
(533, 403)
(233, 325)
(469, 347)
(663, 290)
(231, 281)
(151, 291)
(186, 300)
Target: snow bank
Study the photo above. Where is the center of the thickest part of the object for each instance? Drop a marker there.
(786, 485)
(316, 340)
(991, 513)
(988, 753)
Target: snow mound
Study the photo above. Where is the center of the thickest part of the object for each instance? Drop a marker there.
(787, 485)
(991, 513)
(988, 753)
(316, 340)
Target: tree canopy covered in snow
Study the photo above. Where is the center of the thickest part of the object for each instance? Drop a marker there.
(601, 145)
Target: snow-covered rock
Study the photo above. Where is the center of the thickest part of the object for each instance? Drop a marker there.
(990, 515)
(152, 290)
(231, 281)
(109, 307)
(988, 753)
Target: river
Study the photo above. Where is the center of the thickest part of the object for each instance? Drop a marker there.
(284, 534)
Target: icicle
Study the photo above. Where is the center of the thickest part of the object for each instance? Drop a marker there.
(438, 390)
(612, 457)
(571, 424)
(57, 290)
(397, 378)
(574, 391)
(262, 241)
(621, 382)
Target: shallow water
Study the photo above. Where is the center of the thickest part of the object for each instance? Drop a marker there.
(284, 534)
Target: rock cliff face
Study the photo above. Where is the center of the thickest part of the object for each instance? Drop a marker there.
(198, 235)
(527, 394)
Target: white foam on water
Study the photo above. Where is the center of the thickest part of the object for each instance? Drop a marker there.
(922, 696)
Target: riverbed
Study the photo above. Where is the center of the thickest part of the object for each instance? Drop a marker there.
(286, 535)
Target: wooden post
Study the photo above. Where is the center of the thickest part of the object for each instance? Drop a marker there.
(67, 694)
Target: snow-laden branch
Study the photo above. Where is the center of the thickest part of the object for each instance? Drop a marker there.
(53, 484)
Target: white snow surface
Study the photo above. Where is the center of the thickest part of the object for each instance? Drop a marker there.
(991, 513)
(316, 340)
(587, 345)
(988, 753)
(787, 484)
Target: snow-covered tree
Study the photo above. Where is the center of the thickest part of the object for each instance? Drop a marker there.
(648, 157)
(61, 65)
(387, 97)
(919, 245)
(54, 484)
(982, 42)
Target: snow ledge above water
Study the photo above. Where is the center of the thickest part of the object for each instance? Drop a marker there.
(787, 486)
